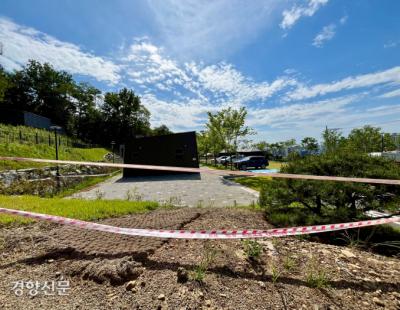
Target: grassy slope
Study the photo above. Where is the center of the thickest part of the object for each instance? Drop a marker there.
(45, 151)
(73, 208)
(10, 147)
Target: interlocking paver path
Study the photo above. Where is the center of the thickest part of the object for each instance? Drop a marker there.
(185, 190)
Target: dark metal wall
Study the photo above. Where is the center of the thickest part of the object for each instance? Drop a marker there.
(37, 121)
(14, 117)
(179, 150)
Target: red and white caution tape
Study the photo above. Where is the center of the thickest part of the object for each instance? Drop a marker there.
(210, 171)
(200, 234)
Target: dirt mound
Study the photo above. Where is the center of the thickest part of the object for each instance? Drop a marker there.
(113, 271)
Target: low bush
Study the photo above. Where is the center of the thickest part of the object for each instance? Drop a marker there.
(301, 202)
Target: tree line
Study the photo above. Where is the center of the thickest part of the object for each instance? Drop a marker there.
(225, 131)
(80, 108)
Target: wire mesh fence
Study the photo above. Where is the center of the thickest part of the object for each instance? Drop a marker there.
(39, 137)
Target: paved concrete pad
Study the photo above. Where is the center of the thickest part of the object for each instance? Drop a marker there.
(185, 190)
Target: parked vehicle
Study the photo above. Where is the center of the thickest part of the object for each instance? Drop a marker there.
(235, 158)
(251, 162)
(221, 159)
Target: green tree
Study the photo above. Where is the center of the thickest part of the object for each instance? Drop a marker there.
(161, 130)
(333, 140)
(369, 139)
(87, 118)
(5, 83)
(262, 146)
(229, 125)
(124, 116)
(40, 89)
(203, 144)
(310, 144)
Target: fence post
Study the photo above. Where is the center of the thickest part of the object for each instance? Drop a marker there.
(37, 138)
(20, 136)
(49, 140)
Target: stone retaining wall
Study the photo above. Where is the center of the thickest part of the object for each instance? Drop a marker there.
(44, 181)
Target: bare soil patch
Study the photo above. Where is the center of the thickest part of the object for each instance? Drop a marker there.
(113, 271)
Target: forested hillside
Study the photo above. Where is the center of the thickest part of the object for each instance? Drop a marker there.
(80, 108)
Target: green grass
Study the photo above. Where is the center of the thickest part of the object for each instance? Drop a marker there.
(275, 165)
(86, 183)
(47, 152)
(253, 182)
(88, 210)
(30, 135)
(272, 165)
(12, 147)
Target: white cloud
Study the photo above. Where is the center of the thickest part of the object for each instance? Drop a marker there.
(179, 93)
(391, 44)
(147, 64)
(389, 77)
(299, 114)
(178, 115)
(209, 29)
(225, 79)
(395, 93)
(23, 43)
(290, 17)
(343, 20)
(326, 34)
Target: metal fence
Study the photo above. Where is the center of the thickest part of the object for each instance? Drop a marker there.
(20, 136)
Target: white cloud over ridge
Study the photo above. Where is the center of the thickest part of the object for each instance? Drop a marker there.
(24, 43)
(290, 17)
(179, 93)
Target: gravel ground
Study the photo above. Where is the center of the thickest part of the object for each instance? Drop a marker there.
(111, 271)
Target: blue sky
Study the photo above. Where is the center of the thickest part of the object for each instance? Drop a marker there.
(297, 65)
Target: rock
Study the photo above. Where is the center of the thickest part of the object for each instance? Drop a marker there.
(208, 303)
(223, 295)
(347, 253)
(50, 260)
(377, 292)
(365, 303)
(182, 275)
(396, 294)
(130, 285)
(378, 301)
(161, 297)
(262, 284)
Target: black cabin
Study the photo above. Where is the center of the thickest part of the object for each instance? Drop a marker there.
(179, 150)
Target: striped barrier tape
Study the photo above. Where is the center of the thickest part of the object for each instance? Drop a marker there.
(210, 171)
(200, 234)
